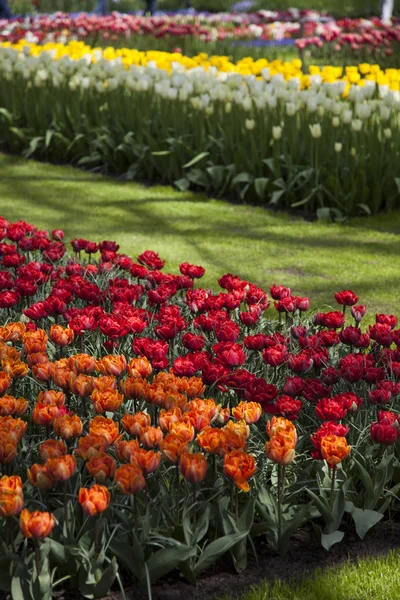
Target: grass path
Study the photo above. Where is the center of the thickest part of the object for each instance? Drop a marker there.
(314, 259)
(367, 579)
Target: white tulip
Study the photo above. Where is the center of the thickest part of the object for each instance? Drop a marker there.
(316, 131)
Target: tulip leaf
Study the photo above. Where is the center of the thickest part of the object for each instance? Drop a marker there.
(260, 186)
(216, 549)
(364, 520)
(329, 539)
(323, 508)
(182, 184)
(168, 559)
(196, 159)
(102, 588)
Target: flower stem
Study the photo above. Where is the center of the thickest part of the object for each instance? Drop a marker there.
(332, 499)
(194, 508)
(37, 558)
(178, 498)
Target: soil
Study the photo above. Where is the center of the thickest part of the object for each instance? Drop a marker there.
(305, 556)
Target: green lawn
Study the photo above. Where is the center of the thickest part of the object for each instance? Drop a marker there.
(314, 259)
(368, 579)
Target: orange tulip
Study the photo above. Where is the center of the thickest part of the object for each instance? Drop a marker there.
(52, 449)
(8, 448)
(91, 446)
(62, 468)
(62, 336)
(193, 467)
(68, 426)
(212, 440)
(280, 449)
(136, 424)
(37, 358)
(125, 449)
(62, 376)
(155, 395)
(139, 368)
(12, 427)
(11, 497)
(205, 406)
(151, 437)
(247, 411)
(173, 400)
(104, 383)
(35, 341)
(5, 381)
(133, 389)
(11, 483)
(147, 460)
(51, 397)
(184, 429)
(105, 427)
(44, 414)
(223, 415)
(43, 371)
(111, 365)
(39, 477)
(198, 419)
(107, 401)
(36, 525)
(240, 467)
(15, 368)
(101, 467)
(82, 363)
(129, 479)
(173, 446)
(278, 425)
(334, 449)
(83, 385)
(13, 332)
(167, 417)
(94, 500)
(13, 406)
(192, 387)
(239, 427)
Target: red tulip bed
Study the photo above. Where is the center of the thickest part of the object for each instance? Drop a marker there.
(341, 41)
(150, 426)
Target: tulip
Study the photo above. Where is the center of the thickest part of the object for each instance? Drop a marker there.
(94, 500)
(129, 479)
(101, 467)
(193, 467)
(36, 525)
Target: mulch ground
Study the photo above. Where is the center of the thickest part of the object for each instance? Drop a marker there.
(305, 556)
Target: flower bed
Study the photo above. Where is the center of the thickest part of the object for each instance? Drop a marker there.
(259, 131)
(147, 424)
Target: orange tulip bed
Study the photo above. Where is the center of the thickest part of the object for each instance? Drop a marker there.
(149, 426)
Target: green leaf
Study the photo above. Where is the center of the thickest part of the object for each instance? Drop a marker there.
(323, 508)
(364, 207)
(6, 114)
(217, 549)
(196, 159)
(58, 552)
(245, 521)
(329, 539)
(293, 525)
(397, 182)
(102, 588)
(166, 560)
(161, 153)
(365, 519)
(49, 137)
(242, 178)
(276, 196)
(131, 556)
(368, 484)
(323, 213)
(202, 526)
(182, 184)
(260, 186)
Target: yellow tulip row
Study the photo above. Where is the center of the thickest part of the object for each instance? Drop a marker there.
(356, 75)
